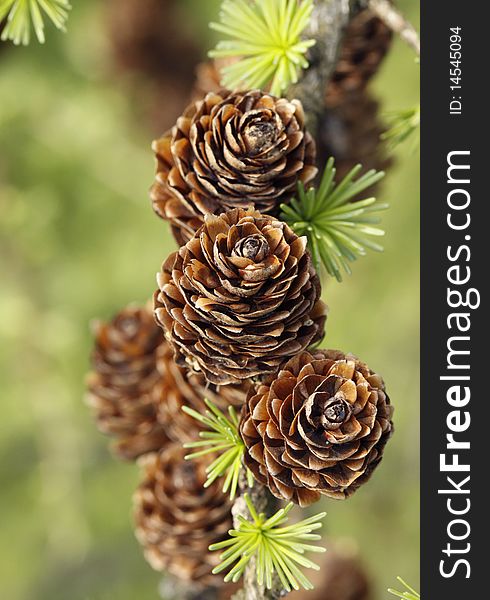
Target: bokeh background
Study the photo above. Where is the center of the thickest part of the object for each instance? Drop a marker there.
(79, 240)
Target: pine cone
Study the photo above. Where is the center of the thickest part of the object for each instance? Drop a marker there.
(177, 518)
(221, 395)
(342, 576)
(240, 297)
(208, 77)
(123, 379)
(351, 133)
(318, 427)
(177, 387)
(171, 393)
(228, 151)
(366, 41)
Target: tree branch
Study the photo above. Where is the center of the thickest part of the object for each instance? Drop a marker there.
(264, 502)
(329, 19)
(328, 22)
(393, 18)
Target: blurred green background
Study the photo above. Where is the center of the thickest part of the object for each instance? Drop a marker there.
(79, 240)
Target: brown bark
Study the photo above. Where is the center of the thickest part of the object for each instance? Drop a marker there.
(327, 25)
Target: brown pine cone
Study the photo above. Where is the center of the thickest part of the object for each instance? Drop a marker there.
(208, 77)
(178, 387)
(177, 518)
(121, 384)
(342, 576)
(221, 395)
(351, 133)
(318, 427)
(240, 297)
(366, 41)
(173, 391)
(228, 151)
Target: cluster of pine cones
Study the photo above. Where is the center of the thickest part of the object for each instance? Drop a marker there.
(234, 319)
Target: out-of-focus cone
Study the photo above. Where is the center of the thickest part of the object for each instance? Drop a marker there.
(366, 41)
(122, 381)
(137, 390)
(171, 393)
(151, 44)
(351, 133)
(350, 128)
(221, 395)
(178, 387)
(177, 518)
(208, 77)
(342, 576)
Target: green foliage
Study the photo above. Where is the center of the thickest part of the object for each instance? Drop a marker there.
(266, 35)
(222, 438)
(408, 594)
(22, 13)
(336, 227)
(403, 125)
(277, 549)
